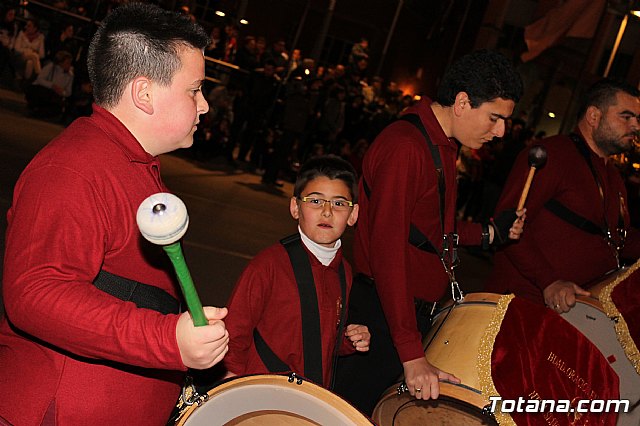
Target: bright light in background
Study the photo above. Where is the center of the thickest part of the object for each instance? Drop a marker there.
(220, 13)
(636, 13)
(244, 21)
(552, 114)
(636, 166)
(306, 71)
(417, 97)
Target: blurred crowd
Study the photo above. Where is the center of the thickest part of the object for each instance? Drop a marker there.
(272, 107)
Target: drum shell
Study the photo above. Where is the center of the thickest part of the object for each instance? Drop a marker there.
(453, 342)
(452, 345)
(268, 400)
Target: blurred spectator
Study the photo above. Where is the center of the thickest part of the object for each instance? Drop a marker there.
(295, 67)
(48, 94)
(332, 118)
(30, 49)
(8, 35)
(246, 57)
(63, 39)
(230, 43)
(260, 101)
(261, 48)
(215, 49)
(278, 55)
(357, 154)
(295, 116)
(8, 28)
(186, 10)
(359, 51)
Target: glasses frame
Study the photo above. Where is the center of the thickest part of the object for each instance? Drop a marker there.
(307, 200)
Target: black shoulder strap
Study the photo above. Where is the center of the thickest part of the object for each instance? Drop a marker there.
(416, 237)
(311, 334)
(268, 357)
(143, 295)
(568, 215)
(342, 321)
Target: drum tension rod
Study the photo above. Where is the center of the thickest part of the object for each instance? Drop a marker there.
(294, 376)
(486, 411)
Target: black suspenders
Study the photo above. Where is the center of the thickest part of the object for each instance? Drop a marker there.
(311, 329)
(416, 237)
(568, 215)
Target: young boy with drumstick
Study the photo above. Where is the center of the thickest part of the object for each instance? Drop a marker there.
(288, 309)
(93, 332)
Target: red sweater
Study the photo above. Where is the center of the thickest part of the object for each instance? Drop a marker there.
(266, 298)
(551, 248)
(399, 170)
(96, 359)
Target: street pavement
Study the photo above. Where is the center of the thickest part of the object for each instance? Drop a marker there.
(232, 216)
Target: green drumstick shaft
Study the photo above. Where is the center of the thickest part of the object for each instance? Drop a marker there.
(186, 283)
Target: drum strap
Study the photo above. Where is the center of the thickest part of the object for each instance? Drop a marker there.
(311, 330)
(143, 295)
(564, 213)
(568, 215)
(416, 237)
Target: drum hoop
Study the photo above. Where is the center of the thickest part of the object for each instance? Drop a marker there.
(484, 357)
(311, 389)
(454, 392)
(620, 324)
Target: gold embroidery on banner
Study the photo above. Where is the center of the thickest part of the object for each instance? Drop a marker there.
(572, 375)
(621, 327)
(484, 358)
(548, 416)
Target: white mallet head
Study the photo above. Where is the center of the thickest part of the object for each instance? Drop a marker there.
(162, 218)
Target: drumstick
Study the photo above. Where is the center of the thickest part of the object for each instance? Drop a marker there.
(537, 159)
(162, 219)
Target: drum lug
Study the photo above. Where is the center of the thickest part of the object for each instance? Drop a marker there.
(294, 377)
(486, 410)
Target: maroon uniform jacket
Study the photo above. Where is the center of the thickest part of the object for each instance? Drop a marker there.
(551, 248)
(400, 173)
(266, 298)
(65, 346)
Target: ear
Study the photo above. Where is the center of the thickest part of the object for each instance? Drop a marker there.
(141, 94)
(593, 116)
(294, 208)
(461, 103)
(353, 216)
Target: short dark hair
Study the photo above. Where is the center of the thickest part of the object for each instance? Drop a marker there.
(484, 75)
(602, 94)
(139, 39)
(330, 166)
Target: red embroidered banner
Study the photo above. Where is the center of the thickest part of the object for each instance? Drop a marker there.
(537, 355)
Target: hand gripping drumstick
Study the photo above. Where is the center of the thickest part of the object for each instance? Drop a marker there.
(162, 219)
(537, 159)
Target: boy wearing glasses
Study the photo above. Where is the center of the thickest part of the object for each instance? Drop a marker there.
(287, 312)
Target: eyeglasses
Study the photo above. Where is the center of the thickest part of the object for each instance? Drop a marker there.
(318, 203)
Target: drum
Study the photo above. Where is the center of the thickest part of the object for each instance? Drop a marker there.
(589, 318)
(452, 345)
(267, 400)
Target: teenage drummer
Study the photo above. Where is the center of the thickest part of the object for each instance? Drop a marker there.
(93, 332)
(578, 225)
(406, 240)
(287, 312)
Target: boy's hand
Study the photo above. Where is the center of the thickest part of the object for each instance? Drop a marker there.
(359, 336)
(203, 347)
